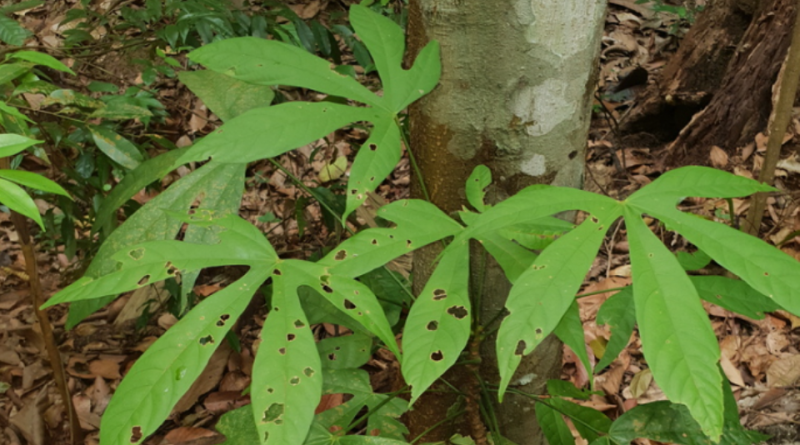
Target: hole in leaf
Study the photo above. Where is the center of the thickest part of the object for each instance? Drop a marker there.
(222, 319)
(437, 356)
(136, 254)
(309, 372)
(408, 243)
(206, 340)
(294, 381)
(573, 154)
(276, 272)
(290, 337)
(332, 356)
(374, 242)
(373, 147)
(766, 274)
(273, 413)
(136, 434)
(354, 191)
(299, 324)
(270, 390)
(520, 348)
(327, 289)
(266, 436)
(349, 304)
(282, 351)
(538, 332)
(340, 255)
(433, 325)
(172, 270)
(439, 294)
(457, 311)
(595, 220)
(144, 280)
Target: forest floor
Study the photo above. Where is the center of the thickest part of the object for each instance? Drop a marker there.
(761, 358)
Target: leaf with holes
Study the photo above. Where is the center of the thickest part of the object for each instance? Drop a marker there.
(438, 325)
(240, 243)
(417, 223)
(544, 292)
(375, 161)
(677, 339)
(287, 373)
(351, 297)
(217, 186)
(168, 368)
(349, 351)
(479, 179)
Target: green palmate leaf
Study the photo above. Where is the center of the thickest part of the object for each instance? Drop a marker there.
(289, 125)
(570, 331)
(350, 351)
(117, 148)
(41, 59)
(418, 223)
(226, 96)
(34, 181)
(11, 144)
(15, 198)
(12, 33)
(240, 243)
(677, 339)
(733, 295)
(216, 186)
(287, 373)
(384, 410)
(168, 368)
(554, 427)
(438, 325)
(619, 314)
(351, 297)
(386, 43)
(148, 172)
(375, 161)
(544, 292)
(391, 288)
(269, 62)
(479, 179)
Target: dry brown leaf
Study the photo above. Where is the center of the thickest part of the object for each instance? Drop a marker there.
(784, 372)
(106, 367)
(733, 374)
(718, 157)
(641, 381)
(187, 435)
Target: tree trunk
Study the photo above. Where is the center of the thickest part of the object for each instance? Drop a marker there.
(716, 90)
(516, 87)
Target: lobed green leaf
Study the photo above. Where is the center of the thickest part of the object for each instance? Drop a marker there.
(376, 159)
(619, 314)
(226, 96)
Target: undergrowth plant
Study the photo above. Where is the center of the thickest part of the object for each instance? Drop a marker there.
(291, 371)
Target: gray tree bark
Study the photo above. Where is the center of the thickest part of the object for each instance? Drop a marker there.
(515, 95)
